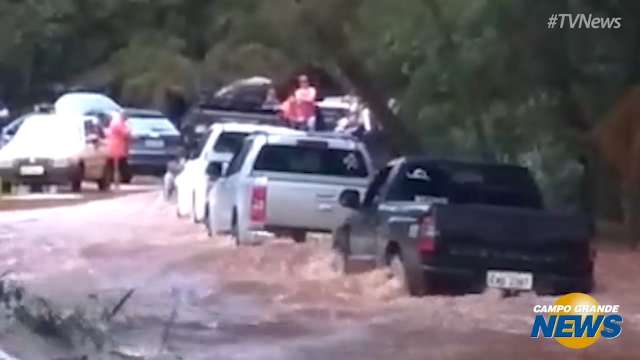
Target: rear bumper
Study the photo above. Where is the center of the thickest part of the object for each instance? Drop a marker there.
(52, 175)
(475, 280)
(277, 229)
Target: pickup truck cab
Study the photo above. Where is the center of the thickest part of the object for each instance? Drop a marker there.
(224, 140)
(287, 184)
(446, 225)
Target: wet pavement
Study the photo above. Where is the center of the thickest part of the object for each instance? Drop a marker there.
(202, 298)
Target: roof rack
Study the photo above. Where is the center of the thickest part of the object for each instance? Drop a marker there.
(44, 108)
(333, 135)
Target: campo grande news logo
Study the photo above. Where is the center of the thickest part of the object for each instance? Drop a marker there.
(577, 321)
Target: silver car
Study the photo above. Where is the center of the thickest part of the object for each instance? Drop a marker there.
(287, 185)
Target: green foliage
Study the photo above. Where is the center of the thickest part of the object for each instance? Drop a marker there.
(483, 79)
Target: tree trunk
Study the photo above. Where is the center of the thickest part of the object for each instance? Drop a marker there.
(631, 204)
(336, 43)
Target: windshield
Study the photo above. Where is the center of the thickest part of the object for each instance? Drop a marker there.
(47, 133)
(311, 160)
(148, 125)
(83, 103)
(229, 142)
(492, 185)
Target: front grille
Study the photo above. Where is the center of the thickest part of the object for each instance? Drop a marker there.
(33, 161)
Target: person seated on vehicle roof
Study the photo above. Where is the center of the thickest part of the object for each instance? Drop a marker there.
(289, 110)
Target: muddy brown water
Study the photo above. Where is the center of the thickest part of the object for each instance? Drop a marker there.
(277, 301)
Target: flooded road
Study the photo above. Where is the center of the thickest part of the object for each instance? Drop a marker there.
(202, 298)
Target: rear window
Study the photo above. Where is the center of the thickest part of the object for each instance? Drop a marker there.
(311, 160)
(229, 142)
(468, 184)
(148, 125)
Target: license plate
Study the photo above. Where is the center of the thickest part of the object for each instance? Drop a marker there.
(154, 143)
(510, 280)
(32, 170)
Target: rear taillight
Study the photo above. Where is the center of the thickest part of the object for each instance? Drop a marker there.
(259, 203)
(427, 235)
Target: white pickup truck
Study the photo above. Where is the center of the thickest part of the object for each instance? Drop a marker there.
(287, 185)
(224, 140)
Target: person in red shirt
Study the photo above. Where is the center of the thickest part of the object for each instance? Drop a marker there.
(118, 145)
(305, 97)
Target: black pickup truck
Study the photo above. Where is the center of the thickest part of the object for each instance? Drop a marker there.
(444, 225)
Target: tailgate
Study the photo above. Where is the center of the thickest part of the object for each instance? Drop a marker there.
(307, 201)
(512, 238)
(515, 227)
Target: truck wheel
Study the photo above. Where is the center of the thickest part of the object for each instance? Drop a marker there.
(76, 182)
(6, 187)
(194, 215)
(299, 236)
(234, 230)
(207, 222)
(104, 184)
(411, 279)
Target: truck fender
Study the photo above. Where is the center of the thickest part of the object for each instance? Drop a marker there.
(392, 235)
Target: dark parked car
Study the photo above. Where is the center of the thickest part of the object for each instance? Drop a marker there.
(445, 225)
(154, 142)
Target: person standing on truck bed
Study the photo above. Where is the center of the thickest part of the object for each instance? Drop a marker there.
(305, 97)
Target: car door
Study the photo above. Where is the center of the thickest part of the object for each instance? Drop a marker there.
(365, 222)
(94, 154)
(226, 187)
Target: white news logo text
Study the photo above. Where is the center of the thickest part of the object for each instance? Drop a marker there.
(583, 21)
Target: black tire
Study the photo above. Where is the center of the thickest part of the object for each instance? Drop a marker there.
(194, 218)
(410, 277)
(168, 187)
(299, 237)
(207, 222)
(76, 182)
(234, 229)
(5, 187)
(104, 184)
(126, 179)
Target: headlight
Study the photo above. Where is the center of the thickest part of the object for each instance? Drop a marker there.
(6, 163)
(61, 163)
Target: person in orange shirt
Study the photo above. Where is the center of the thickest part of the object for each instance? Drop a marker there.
(305, 97)
(289, 109)
(118, 145)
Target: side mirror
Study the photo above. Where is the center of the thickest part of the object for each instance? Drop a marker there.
(192, 154)
(174, 167)
(215, 169)
(93, 139)
(350, 199)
